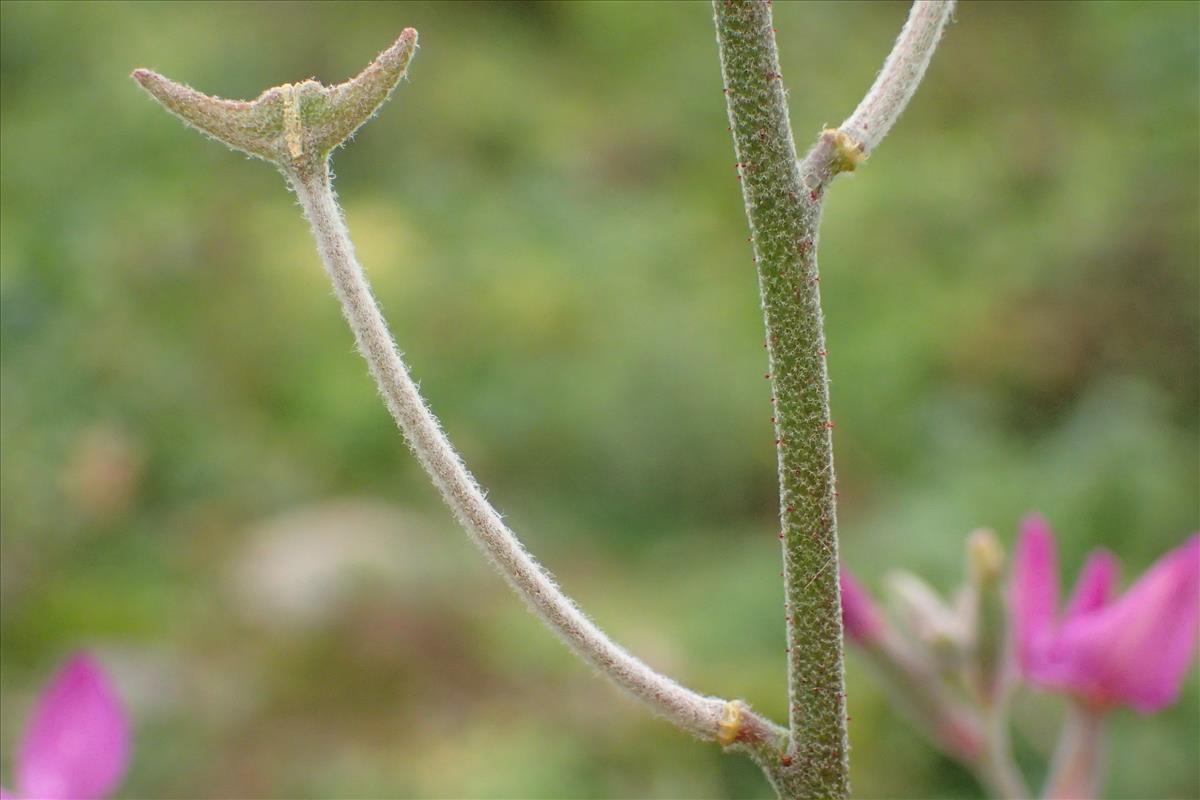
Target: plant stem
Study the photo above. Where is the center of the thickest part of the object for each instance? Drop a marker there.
(784, 211)
(706, 717)
(901, 73)
(995, 768)
(1078, 764)
(976, 737)
(783, 201)
(989, 659)
(915, 688)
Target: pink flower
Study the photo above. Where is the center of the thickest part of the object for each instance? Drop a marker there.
(1133, 650)
(860, 618)
(76, 744)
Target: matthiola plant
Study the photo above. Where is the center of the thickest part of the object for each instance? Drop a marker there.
(76, 742)
(296, 127)
(951, 666)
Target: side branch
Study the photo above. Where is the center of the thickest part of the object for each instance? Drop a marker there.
(901, 74)
(295, 127)
(711, 718)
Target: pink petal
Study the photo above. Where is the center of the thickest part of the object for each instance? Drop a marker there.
(76, 745)
(4, 795)
(1094, 589)
(1034, 592)
(1137, 650)
(860, 617)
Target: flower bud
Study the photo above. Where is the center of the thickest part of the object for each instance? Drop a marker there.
(987, 616)
(860, 616)
(985, 556)
(937, 627)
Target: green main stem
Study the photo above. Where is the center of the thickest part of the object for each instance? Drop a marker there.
(783, 203)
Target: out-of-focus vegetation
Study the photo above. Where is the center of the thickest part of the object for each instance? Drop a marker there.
(200, 481)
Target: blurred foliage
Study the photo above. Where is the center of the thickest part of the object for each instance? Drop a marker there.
(200, 481)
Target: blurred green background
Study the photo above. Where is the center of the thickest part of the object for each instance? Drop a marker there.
(199, 481)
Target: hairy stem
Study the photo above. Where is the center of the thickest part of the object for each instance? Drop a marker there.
(901, 73)
(783, 201)
(996, 770)
(784, 211)
(296, 127)
(730, 723)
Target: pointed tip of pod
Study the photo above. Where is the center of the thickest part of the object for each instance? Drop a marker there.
(293, 125)
(159, 86)
(156, 84)
(360, 97)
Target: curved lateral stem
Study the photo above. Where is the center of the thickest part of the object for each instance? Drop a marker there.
(295, 127)
(730, 723)
(901, 74)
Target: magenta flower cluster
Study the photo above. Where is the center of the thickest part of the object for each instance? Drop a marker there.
(1105, 650)
(76, 743)
(1102, 648)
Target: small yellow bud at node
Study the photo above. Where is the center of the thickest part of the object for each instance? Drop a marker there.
(849, 152)
(731, 723)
